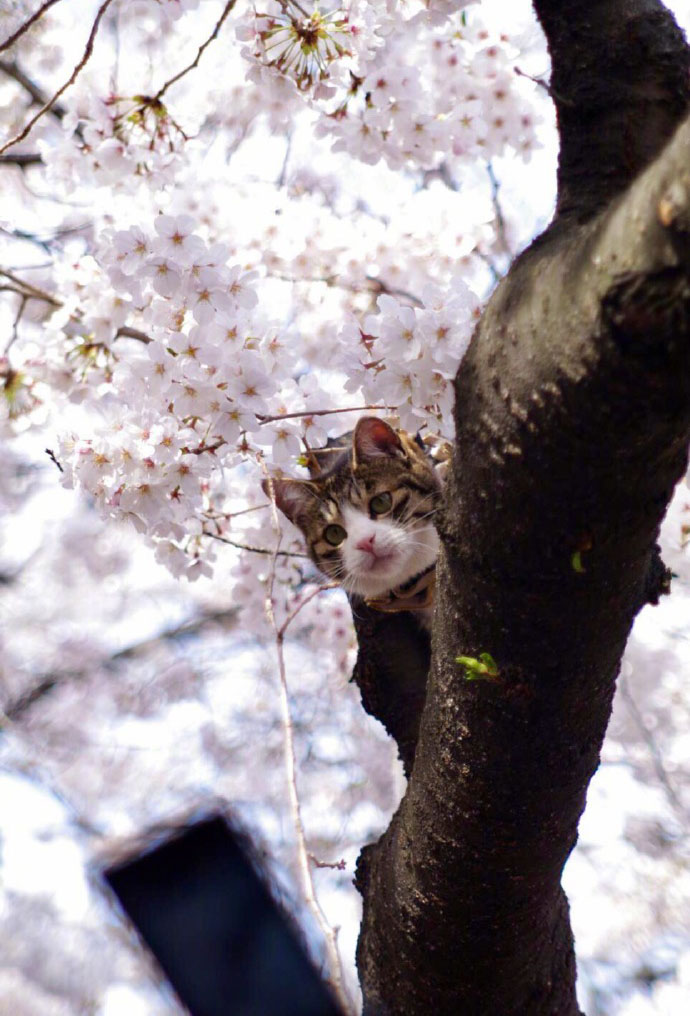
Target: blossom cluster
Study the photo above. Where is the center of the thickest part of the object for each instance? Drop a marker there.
(192, 390)
(198, 379)
(416, 85)
(452, 93)
(112, 140)
(409, 355)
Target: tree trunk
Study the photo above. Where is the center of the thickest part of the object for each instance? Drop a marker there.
(572, 426)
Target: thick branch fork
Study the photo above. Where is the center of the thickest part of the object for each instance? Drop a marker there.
(572, 422)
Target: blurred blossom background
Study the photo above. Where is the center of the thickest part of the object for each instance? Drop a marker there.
(318, 227)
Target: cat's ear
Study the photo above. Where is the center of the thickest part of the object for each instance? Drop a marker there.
(374, 438)
(293, 497)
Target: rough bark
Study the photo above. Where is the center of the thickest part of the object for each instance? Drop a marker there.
(573, 422)
(391, 670)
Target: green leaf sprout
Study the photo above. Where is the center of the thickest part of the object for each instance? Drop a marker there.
(483, 668)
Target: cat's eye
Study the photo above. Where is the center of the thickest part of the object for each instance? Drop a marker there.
(334, 535)
(381, 503)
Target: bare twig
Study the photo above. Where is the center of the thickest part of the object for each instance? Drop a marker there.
(70, 81)
(13, 70)
(496, 275)
(15, 325)
(34, 768)
(29, 289)
(336, 978)
(442, 173)
(379, 286)
(498, 211)
(232, 515)
(318, 412)
(282, 176)
(302, 603)
(226, 11)
(374, 285)
(45, 683)
(38, 267)
(254, 550)
(203, 447)
(32, 292)
(295, 3)
(541, 83)
(21, 160)
(125, 332)
(655, 754)
(337, 865)
(51, 455)
(27, 25)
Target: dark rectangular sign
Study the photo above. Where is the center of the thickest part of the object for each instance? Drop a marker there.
(222, 941)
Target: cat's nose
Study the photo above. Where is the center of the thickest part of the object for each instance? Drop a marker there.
(367, 543)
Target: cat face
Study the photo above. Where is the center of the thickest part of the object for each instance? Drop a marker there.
(367, 521)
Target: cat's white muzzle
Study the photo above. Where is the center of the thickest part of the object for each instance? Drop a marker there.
(379, 554)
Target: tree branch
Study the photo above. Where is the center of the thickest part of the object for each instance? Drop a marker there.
(572, 427)
(17, 708)
(611, 123)
(334, 972)
(391, 671)
(70, 81)
(27, 25)
(226, 11)
(21, 160)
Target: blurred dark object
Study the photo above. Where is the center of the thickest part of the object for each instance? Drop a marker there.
(207, 916)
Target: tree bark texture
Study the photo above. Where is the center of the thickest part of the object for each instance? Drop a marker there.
(572, 428)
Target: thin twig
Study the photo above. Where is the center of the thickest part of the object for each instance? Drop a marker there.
(543, 84)
(648, 737)
(375, 285)
(442, 173)
(318, 412)
(51, 455)
(38, 267)
(70, 81)
(14, 71)
(254, 550)
(498, 211)
(125, 332)
(495, 274)
(226, 11)
(296, 4)
(338, 865)
(233, 515)
(34, 768)
(378, 285)
(15, 325)
(21, 160)
(30, 289)
(27, 25)
(282, 176)
(336, 978)
(302, 603)
(45, 683)
(32, 292)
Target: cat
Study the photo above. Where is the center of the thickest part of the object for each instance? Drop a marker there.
(367, 519)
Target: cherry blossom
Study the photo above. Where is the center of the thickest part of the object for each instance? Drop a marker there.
(211, 269)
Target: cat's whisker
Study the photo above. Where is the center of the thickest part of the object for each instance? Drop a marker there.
(410, 524)
(413, 516)
(414, 526)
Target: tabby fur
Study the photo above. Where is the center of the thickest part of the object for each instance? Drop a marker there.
(367, 518)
